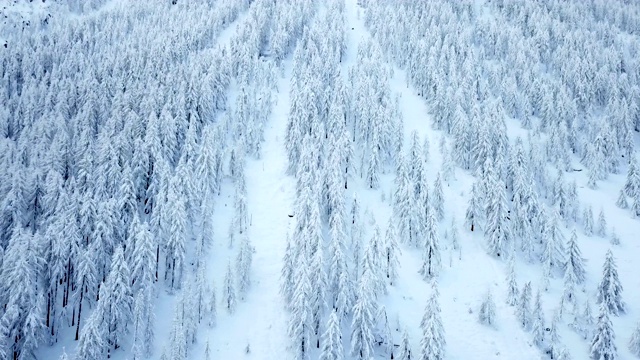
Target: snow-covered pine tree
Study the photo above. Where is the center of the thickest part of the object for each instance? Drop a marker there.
(587, 221)
(301, 319)
(431, 258)
(487, 313)
(437, 199)
(523, 310)
(610, 289)
(287, 272)
(512, 285)
(555, 348)
(385, 334)
(391, 252)
(332, 348)
(622, 200)
(602, 224)
(243, 266)
(229, 291)
(475, 211)
(405, 347)
(538, 328)
(362, 325)
(603, 345)
(433, 343)
(212, 307)
(574, 258)
(497, 226)
(121, 298)
(632, 183)
(634, 342)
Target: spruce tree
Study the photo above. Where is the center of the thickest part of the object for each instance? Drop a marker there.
(634, 342)
(229, 291)
(437, 200)
(487, 314)
(574, 259)
(475, 212)
(391, 253)
(362, 325)
(602, 224)
(538, 328)
(603, 345)
(332, 348)
(243, 266)
(431, 258)
(433, 343)
(523, 310)
(405, 347)
(622, 200)
(610, 289)
(512, 285)
(587, 221)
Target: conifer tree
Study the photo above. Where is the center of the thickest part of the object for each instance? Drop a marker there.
(602, 224)
(332, 348)
(487, 314)
(622, 200)
(634, 342)
(212, 307)
(437, 199)
(538, 327)
(301, 320)
(433, 343)
(405, 347)
(574, 259)
(632, 183)
(523, 311)
(391, 253)
(362, 325)
(243, 266)
(431, 258)
(475, 211)
(587, 221)
(229, 291)
(610, 289)
(512, 292)
(121, 298)
(603, 345)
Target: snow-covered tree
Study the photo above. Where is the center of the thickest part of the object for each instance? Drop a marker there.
(362, 325)
(523, 310)
(602, 224)
(538, 327)
(512, 285)
(405, 347)
(243, 266)
(212, 307)
(610, 289)
(622, 202)
(587, 221)
(634, 342)
(120, 299)
(433, 343)
(229, 291)
(497, 230)
(431, 258)
(437, 199)
(603, 345)
(332, 348)
(574, 259)
(391, 252)
(475, 211)
(487, 314)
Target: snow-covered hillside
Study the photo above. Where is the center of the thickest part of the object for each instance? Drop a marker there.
(346, 179)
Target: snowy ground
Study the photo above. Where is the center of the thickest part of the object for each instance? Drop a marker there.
(260, 321)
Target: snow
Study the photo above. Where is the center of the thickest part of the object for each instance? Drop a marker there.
(260, 321)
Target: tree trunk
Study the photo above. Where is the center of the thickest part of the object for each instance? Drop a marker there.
(79, 313)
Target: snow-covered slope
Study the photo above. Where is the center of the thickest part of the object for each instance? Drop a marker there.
(255, 164)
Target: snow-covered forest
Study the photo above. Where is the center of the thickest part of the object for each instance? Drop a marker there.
(334, 180)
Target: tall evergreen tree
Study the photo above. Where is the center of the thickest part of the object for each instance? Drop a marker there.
(431, 258)
(433, 343)
(362, 325)
(603, 345)
(610, 289)
(523, 311)
(332, 348)
(574, 259)
(634, 342)
(475, 212)
(229, 291)
(487, 314)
